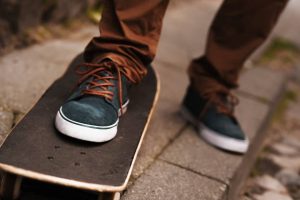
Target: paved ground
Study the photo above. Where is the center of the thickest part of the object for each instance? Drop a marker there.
(174, 163)
(276, 173)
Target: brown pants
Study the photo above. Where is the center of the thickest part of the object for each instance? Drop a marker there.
(130, 32)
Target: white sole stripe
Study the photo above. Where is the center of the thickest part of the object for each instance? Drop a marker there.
(86, 132)
(214, 138)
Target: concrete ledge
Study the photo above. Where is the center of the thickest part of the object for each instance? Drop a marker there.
(276, 89)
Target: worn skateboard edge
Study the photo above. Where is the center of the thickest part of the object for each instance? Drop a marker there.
(85, 185)
(145, 128)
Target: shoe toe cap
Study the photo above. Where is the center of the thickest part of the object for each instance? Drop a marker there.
(224, 125)
(89, 114)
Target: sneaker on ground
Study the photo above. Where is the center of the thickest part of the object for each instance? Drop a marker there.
(92, 112)
(217, 128)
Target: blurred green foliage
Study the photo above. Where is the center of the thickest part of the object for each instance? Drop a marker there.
(94, 13)
(279, 45)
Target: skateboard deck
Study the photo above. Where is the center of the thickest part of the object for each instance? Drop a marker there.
(36, 150)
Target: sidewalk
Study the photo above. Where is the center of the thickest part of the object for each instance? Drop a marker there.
(174, 163)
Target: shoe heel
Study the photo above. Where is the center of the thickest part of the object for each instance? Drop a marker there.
(188, 116)
(124, 108)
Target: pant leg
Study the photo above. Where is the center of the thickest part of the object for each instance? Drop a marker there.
(238, 29)
(129, 33)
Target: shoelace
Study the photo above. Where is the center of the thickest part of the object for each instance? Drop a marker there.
(103, 76)
(223, 99)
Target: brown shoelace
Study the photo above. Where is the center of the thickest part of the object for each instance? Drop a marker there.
(112, 71)
(223, 99)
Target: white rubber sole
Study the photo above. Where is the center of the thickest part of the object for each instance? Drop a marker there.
(214, 138)
(87, 132)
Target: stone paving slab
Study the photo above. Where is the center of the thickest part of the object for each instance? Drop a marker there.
(251, 113)
(165, 125)
(286, 26)
(163, 181)
(187, 26)
(166, 121)
(172, 56)
(6, 122)
(27, 73)
(184, 31)
(191, 152)
(174, 81)
(262, 83)
(25, 79)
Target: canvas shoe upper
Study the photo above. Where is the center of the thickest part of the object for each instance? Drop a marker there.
(220, 129)
(92, 112)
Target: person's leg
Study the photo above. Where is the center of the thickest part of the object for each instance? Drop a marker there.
(238, 29)
(129, 33)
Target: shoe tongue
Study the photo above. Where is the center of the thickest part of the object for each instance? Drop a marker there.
(115, 103)
(96, 80)
(105, 73)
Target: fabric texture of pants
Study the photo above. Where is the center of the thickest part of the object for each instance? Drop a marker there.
(130, 32)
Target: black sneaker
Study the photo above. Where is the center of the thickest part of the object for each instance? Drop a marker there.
(92, 112)
(217, 128)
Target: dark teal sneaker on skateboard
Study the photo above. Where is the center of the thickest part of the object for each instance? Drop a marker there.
(92, 112)
(217, 128)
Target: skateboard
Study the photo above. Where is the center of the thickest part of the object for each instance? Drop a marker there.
(36, 154)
